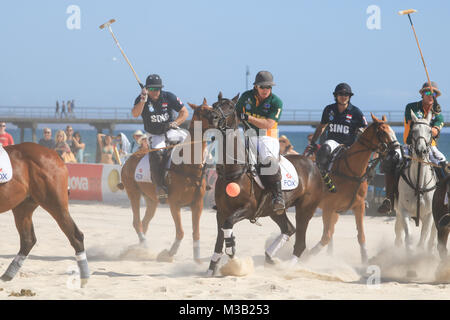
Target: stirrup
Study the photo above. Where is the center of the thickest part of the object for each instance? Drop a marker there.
(278, 205)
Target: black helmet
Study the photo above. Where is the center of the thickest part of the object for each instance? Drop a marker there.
(264, 78)
(343, 88)
(153, 81)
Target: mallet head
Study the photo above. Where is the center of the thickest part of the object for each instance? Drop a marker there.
(107, 24)
(407, 11)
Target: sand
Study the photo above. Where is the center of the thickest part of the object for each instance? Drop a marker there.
(120, 269)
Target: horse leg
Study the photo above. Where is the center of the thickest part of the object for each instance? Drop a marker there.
(59, 210)
(433, 237)
(24, 224)
(329, 219)
(442, 234)
(287, 230)
(358, 211)
(135, 199)
(175, 211)
(196, 209)
(149, 214)
(302, 218)
(218, 248)
(230, 244)
(398, 229)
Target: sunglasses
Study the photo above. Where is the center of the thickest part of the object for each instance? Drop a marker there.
(47, 132)
(429, 93)
(153, 89)
(265, 87)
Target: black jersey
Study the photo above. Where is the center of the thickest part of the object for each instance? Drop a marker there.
(342, 127)
(155, 114)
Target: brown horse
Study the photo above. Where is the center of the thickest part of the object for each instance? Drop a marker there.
(350, 173)
(441, 215)
(186, 183)
(40, 178)
(253, 202)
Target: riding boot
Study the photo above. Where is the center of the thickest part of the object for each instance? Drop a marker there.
(274, 185)
(157, 171)
(441, 172)
(388, 202)
(323, 161)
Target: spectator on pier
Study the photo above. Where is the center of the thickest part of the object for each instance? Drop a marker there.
(105, 142)
(63, 110)
(69, 108)
(57, 109)
(47, 140)
(62, 148)
(5, 138)
(78, 147)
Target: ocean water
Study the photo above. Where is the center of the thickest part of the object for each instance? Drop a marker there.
(297, 136)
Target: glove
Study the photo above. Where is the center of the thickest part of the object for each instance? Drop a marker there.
(173, 125)
(144, 95)
(243, 116)
(311, 148)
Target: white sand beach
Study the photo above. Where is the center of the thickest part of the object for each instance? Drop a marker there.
(122, 270)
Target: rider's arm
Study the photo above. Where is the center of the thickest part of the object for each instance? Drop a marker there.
(139, 103)
(261, 123)
(182, 116)
(319, 130)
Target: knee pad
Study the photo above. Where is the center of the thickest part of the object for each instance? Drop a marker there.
(323, 155)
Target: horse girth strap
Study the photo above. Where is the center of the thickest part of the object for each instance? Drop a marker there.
(196, 178)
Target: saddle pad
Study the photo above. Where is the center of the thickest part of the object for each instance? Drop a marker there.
(289, 176)
(5, 166)
(142, 173)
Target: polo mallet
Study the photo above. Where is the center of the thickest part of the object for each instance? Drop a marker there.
(408, 12)
(108, 24)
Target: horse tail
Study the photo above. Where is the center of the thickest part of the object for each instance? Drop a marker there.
(120, 186)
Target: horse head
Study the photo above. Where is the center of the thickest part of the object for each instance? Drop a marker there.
(380, 135)
(202, 113)
(224, 113)
(421, 136)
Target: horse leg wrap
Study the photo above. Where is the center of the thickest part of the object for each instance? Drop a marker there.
(363, 251)
(83, 265)
(213, 264)
(174, 249)
(196, 248)
(277, 244)
(142, 238)
(14, 267)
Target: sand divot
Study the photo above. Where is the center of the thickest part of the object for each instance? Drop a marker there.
(238, 267)
(136, 252)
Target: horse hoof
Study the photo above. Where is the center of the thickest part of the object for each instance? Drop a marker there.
(164, 256)
(83, 283)
(269, 260)
(6, 278)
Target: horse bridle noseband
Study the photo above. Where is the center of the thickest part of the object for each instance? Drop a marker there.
(414, 142)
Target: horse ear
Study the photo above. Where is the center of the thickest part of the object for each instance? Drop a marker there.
(204, 102)
(235, 99)
(375, 119)
(413, 116)
(193, 106)
(384, 118)
(220, 96)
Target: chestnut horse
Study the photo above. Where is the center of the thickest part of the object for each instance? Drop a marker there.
(186, 184)
(40, 178)
(253, 202)
(441, 215)
(349, 173)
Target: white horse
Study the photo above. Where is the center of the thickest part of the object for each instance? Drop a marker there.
(416, 188)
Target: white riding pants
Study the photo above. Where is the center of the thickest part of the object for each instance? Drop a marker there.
(159, 140)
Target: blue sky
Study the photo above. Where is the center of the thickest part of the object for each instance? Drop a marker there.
(199, 47)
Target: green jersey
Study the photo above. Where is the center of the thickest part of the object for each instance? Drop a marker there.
(269, 108)
(437, 120)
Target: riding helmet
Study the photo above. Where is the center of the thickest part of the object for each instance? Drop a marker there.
(264, 78)
(343, 88)
(153, 81)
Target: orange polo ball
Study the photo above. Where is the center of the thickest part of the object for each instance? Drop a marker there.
(233, 189)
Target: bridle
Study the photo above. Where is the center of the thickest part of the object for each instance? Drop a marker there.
(415, 141)
(224, 117)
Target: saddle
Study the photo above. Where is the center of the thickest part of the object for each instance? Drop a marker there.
(6, 172)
